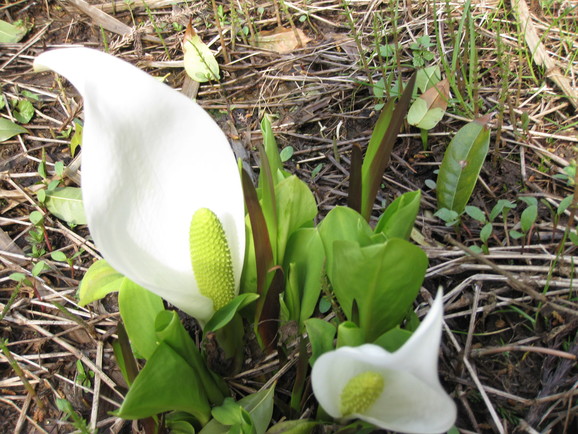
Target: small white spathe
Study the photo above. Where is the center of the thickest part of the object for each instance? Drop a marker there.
(151, 157)
(412, 399)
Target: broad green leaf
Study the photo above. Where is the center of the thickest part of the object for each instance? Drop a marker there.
(259, 405)
(296, 207)
(11, 33)
(66, 204)
(100, 279)
(461, 165)
(229, 413)
(139, 309)
(10, 129)
(392, 340)
(170, 331)
(343, 223)
(200, 62)
(301, 426)
(321, 334)
(224, 315)
(304, 260)
(383, 279)
(179, 422)
(166, 383)
(399, 217)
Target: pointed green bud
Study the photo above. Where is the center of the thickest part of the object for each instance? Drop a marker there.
(360, 393)
(211, 258)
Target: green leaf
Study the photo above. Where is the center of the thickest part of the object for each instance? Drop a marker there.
(461, 165)
(476, 213)
(304, 260)
(528, 218)
(224, 315)
(58, 256)
(10, 129)
(501, 207)
(170, 331)
(260, 407)
(428, 77)
(383, 279)
(100, 280)
(447, 215)
(229, 413)
(399, 217)
(486, 232)
(76, 139)
(286, 153)
(11, 33)
(24, 111)
(271, 151)
(296, 207)
(377, 156)
(301, 426)
(39, 268)
(392, 340)
(66, 204)
(200, 62)
(564, 204)
(139, 309)
(343, 223)
(321, 334)
(36, 218)
(166, 383)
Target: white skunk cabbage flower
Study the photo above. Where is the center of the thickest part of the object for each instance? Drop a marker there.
(152, 158)
(397, 391)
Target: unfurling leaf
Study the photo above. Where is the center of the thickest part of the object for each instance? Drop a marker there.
(200, 63)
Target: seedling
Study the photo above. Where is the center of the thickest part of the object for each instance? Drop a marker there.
(83, 377)
(527, 219)
(77, 421)
(61, 257)
(421, 50)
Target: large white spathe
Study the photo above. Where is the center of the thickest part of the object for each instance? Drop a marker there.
(151, 157)
(412, 399)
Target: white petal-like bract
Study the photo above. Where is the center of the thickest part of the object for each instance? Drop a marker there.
(412, 400)
(150, 158)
